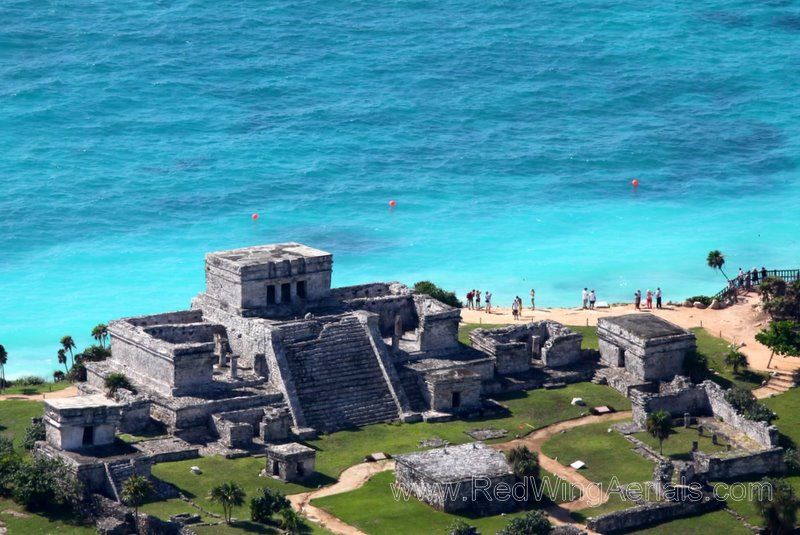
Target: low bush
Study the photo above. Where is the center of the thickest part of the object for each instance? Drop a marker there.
(116, 381)
(747, 405)
(77, 373)
(34, 433)
(266, 504)
(42, 484)
(29, 380)
(429, 288)
(706, 300)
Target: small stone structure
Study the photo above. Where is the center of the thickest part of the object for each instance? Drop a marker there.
(513, 347)
(648, 347)
(469, 477)
(453, 390)
(290, 462)
(75, 423)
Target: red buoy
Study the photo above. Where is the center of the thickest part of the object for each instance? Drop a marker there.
(635, 183)
(254, 216)
(392, 203)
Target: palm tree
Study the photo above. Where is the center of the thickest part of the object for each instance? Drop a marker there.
(68, 344)
(735, 360)
(135, 491)
(659, 425)
(524, 463)
(716, 260)
(100, 333)
(62, 358)
(229, 495)
(778, 507)
(3, 361)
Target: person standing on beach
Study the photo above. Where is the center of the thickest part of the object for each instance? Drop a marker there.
(763, 273)
(755, 276)
(515, 309)
(488, 302)
(477, 299)
(533, 299)
(585, 298)
(470, 296)
(649, 298)
(658, 297)
(592, 299)
(637, 299)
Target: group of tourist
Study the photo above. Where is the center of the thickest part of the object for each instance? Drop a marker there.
(648, 296)
(474, 300)
(748, 279)
(589, 298)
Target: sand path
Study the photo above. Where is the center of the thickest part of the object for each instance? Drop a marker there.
(357, 475)
(593, 495)
(68, 392)
(736, 324)
(351, 479)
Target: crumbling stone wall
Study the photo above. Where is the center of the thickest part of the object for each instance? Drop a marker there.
(717, 467)
(763, 433)
(650, 513)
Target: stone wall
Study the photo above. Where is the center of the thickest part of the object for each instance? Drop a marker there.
(641, 516)
(438, 324)
(440, 387)
(721, 468)
(562, 346)
(676, 401)
(766, 435)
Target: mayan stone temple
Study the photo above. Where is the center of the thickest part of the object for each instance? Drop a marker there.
(270, 355)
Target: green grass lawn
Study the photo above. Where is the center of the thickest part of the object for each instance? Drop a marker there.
(29, 390)
(606, 454)
(39, 524)
(714, 350)
(787, 407)
(15, 417)
(374, 510)
(242, 527)
(679, 444)
(528, 411)
(715, 522)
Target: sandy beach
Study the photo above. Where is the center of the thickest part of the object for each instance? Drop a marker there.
(737, 324)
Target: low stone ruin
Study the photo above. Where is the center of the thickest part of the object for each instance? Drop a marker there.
(457, 478)
(514, 346)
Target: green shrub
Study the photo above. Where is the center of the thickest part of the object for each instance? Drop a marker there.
(266, 504)
(695, 365)
(77, 373)
(459, 527)
(29, 380)
(44, 484)
(93, 353)
(9, 463)
(34, 433)
(706, 300)
(429, 288)
(747, 405)
(533, 523)
(115, 381)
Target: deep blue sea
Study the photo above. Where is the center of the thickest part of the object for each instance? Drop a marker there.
(137, 135)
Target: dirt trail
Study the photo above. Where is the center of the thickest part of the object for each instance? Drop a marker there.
(349, 480)
(68, 392)
(593, 495)
(355, 477)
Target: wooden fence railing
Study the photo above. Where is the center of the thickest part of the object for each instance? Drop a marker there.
(789, 275)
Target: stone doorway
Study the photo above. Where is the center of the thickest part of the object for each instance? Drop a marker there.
(88, 436)
(456, 402)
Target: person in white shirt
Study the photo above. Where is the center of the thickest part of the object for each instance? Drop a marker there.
(488, 298)
(592, 299)
(658, 297)
(585, 296)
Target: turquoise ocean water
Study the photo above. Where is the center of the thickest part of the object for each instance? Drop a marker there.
(137, 135)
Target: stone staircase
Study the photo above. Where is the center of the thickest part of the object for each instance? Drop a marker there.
(409, 381)
(338, 377)
(780, 381)
(117, 474)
